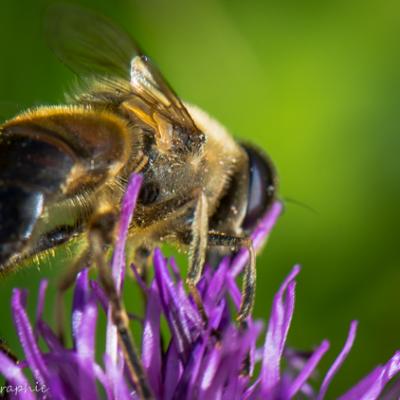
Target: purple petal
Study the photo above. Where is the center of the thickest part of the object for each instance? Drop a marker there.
(281, 315)
(393, 392)
(252, 391)
(189, 309)
(191, 371)
(103, 379)
(235, 389)
(40, 304)
(173, 372)
(308, 369)
(49, 337)
(118, 261)
(258, 327)
(216, 386)
(173, 310)
(138, 278)
(64, 365)
(339, 360)
(228, 380)
(266, 224)
(211, 369)
(99, 294)
(15, 377)
(32, 352)
(27, 339)
(234, 291)
(151, 343)
(85, 349)
(373, 384)
(81, 295)
(72, 373)
(121, 391)
(175, 269)
(217, 286)
(127, 209)
(215, 316)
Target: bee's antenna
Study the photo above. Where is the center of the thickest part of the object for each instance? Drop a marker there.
(305, 206)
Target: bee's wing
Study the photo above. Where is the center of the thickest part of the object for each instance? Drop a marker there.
(88, 43)
(149, 84)
(91, 45)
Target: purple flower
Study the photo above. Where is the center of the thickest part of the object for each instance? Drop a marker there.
(197, 362)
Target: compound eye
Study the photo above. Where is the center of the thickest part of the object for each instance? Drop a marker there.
(262, 187)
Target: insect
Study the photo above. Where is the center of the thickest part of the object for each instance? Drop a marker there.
(63, 169)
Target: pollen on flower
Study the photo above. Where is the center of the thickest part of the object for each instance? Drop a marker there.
(217, 361)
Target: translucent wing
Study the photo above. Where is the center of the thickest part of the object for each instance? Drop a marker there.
(87, 43)
(90, 44)
(151, 87)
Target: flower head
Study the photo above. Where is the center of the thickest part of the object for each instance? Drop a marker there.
(217, 361)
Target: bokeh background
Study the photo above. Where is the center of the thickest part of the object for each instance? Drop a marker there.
(316, 84)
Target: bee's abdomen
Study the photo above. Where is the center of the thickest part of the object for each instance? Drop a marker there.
(47, 156)
(20, 209)
(33, 162)
(32, 171)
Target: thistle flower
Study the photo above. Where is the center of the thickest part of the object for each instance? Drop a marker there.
(214, 362)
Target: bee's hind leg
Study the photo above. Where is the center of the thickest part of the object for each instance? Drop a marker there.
(101, 234)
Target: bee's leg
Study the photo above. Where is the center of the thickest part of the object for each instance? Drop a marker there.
(197, 251)
(249, 277)
(190, 204)
(100, 235)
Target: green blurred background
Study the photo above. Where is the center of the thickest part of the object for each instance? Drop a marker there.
(316, 84)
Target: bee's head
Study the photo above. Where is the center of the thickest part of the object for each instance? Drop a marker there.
(262, 187)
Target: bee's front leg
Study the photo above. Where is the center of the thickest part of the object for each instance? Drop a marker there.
(197, 251)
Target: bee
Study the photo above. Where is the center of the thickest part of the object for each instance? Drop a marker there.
(64, 169)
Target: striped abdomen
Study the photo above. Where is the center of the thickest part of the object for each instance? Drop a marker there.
(47, 156)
